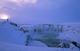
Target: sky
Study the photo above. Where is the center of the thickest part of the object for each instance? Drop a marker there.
(41, 11)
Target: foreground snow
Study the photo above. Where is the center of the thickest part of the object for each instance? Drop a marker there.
(14, 47)
(13, 39)
(11, 34)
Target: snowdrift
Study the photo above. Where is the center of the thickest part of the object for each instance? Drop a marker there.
(14, 47)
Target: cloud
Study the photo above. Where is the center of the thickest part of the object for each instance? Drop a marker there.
(16, 2)
(13, 4)
(39, 4)
(17, 6)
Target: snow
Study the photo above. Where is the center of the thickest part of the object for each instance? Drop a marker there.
(12, 39)
(10, 34)
(71, 32)
(14, 47)
(70, 36)
(37, 44)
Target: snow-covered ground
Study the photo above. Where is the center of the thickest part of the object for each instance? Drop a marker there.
(71, 32)
(11, 34)
(14, 39)
(14, 47)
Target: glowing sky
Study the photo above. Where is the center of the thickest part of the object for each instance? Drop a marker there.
(41, 11)
(4, 16)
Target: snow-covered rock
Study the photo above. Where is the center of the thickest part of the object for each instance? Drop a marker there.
(10, 33)
(70, 36)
